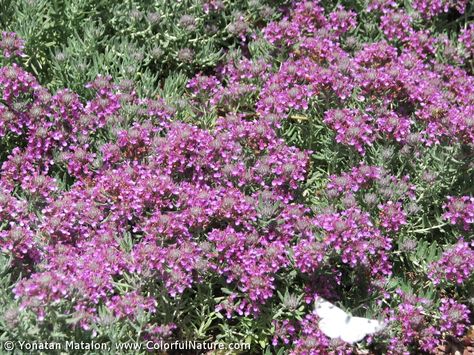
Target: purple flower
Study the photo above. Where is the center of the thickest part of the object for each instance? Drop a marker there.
(352, 127)
(467, 39)
(396, 24)
(455, 265)
(11, 45)
(392, 216)
(454, 317)
(460, 211)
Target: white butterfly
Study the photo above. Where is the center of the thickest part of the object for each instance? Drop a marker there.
(335, 323)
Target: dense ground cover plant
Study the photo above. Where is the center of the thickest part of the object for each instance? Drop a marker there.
(330, 155)
(69, 43)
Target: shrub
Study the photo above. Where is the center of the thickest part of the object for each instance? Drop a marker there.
(329, 155)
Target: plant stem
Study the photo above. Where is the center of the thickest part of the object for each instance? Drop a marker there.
(424, 230)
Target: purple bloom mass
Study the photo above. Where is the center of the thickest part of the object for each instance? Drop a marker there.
(11, 44)
(339, 166)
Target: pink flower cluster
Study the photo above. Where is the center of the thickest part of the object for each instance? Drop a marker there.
(454, 317)
(419, 95)
(351, 235)
(467, 39)
(118, 188)
(460, 211)
(411, 316)
(456, 265)
(431, 8)
(392, 216)
(353, 128)
(414, 317)
(11, 45)
(165, 181)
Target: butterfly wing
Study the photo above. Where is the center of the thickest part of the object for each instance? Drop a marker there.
(325, 309)
(331, 328)
(333, 319)
(358, 328)
(335, 323)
